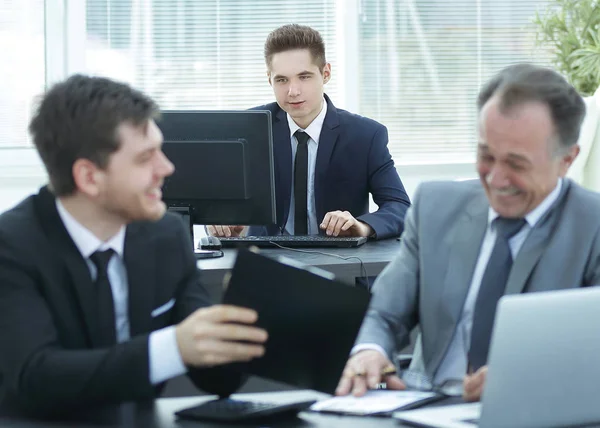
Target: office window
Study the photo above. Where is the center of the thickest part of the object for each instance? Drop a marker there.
(423, 62)
(191, 54)
(22, 74)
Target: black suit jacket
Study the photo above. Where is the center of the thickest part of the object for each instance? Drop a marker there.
(353, 160)
(49, 359)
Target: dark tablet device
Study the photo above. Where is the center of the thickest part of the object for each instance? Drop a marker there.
(228, 410)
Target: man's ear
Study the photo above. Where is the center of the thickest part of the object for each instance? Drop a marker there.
(568, 159)
(269, 78)
(326, 72)
(87, 176)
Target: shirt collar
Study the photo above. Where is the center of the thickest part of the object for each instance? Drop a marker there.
(87, 243)
(537, 213)
(314, 129)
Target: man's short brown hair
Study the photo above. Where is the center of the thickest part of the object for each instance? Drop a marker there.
(294, 36)
(78, 118)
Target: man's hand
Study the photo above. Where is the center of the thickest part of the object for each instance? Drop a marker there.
(473, 384)
(364, 370)
(341, 223)
(218, 335)
(226, 231)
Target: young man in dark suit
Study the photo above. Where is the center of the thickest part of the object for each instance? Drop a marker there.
(327, 160)
(100, 298)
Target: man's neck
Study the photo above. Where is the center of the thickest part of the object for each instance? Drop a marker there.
(97, 221)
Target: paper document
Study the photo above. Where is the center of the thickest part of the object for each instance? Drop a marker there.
(373, 402)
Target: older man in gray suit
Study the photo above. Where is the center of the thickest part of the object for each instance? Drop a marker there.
(521, 228)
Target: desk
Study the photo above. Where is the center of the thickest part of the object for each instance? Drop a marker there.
(160, 414)
(375, 255)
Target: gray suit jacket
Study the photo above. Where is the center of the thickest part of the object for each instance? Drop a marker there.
(428, 281)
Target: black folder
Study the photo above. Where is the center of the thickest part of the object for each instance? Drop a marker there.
(312, 319)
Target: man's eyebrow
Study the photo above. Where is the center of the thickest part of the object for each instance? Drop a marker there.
(513, 156)
(146, 151)
(519, 158)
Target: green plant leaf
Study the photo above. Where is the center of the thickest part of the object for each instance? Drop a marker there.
(571, 30)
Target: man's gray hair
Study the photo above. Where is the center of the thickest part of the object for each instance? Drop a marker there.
(522, 83)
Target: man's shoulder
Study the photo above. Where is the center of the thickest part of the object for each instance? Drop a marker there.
(167, 240)
(356, 121)
(442, 201)
(20, 221)
(582, 204)
(578, 192)
(272, 107)
(168, 227)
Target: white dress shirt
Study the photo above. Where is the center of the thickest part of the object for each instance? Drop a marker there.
(454, 363)
(314, 132)
(165, 360)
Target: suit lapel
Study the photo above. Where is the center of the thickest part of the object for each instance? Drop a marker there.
(465, 243)
(534, 246)
(81, 280)
(327, 140)
(284, 164)
(139, 262)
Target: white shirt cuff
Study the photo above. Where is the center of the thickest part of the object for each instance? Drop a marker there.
(165, 360)
(371, 346)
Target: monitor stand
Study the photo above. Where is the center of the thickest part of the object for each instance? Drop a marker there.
(186, 216)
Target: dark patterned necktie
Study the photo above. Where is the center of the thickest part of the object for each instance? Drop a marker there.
(491, 290)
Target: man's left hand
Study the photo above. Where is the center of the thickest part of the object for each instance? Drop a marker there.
(341, 223)
(473, 384)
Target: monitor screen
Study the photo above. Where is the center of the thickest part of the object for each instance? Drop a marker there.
(223, 166)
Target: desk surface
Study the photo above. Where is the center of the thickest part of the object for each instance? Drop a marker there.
(161, 415)
(344, 263)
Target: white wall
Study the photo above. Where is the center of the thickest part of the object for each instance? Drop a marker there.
(13, 190)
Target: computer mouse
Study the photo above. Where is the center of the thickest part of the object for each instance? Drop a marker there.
(209, 243)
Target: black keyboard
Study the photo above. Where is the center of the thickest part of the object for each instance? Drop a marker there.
(293, 241)
(229, 410)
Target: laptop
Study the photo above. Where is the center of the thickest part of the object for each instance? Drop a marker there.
(543, 366)
(312, 319)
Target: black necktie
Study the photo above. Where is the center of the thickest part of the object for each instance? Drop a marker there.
(491, 290)
(301, 184)
(105, 304)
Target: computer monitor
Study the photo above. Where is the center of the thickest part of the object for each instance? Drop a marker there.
(224, 170)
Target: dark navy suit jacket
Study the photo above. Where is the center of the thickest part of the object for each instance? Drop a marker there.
(51, 364)
(352, 161)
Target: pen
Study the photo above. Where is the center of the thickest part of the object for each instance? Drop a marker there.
(388, 371)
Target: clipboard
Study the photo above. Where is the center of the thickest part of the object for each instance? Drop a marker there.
(312, 319)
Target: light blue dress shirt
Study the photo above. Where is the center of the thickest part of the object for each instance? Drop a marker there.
(314, 132)
(165, 359)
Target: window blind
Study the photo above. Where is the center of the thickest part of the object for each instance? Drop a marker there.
(22, 74)
(191, 54)
(424, 61)
(421, 62)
